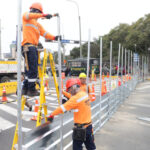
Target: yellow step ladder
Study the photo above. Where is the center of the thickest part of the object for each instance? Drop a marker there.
(43, 105)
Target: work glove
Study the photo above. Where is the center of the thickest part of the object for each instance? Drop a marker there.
(40, 46)
(64, 99)
(47, 16)
(58, 36)
(50, 118)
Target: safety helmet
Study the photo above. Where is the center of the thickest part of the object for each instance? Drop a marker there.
(71, 82)
(82, 75)
(37, 6)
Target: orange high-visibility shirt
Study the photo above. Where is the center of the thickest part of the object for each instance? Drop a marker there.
(83, 88)
(90, 92)
(68, 95)
(81, 105)
(32, 29)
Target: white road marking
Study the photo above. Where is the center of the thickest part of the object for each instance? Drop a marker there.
(5, 124)
(50, 98)
(8, 109)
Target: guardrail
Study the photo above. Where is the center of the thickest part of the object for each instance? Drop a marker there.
(47, 136)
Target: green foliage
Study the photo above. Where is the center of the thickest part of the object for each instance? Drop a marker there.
(137, 34)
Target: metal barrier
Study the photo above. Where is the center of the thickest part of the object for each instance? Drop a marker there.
(47, 136)
(11, 87)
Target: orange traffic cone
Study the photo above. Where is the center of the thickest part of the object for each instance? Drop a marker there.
(129, 76)
(104, 88)
(36, 109)
(93, 97)
(46, 85)
(119, 82)
(107, 74)
(4, 98)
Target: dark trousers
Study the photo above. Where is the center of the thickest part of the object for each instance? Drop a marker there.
(89, 143)
(31, 75)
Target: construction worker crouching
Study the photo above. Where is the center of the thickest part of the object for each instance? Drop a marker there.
(32, 30)
(82, 131)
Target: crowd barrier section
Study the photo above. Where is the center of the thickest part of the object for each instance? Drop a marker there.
(11, 87)
(47, 136)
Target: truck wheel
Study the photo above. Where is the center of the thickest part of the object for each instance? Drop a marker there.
(5, 79)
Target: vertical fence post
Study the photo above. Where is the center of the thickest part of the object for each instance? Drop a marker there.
(88, 58)
(131, 72)
(110, 79)
(60, 90)
(128, 71)
(19, 76)
(125, 63)
(117, 87)
(122, 75)
(100, 94)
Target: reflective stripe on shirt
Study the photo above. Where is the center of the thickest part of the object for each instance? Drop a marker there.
(82, 98)
(45, 34)
(31, 80)
(75, 110)
(27, 16)
(63, 108)
(31, 25)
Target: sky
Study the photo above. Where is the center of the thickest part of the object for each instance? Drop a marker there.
(98, 15)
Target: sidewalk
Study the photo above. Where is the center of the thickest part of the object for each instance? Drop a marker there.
(126, 130)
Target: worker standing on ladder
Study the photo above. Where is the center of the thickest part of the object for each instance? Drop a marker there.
(32, 30)
(82, 131)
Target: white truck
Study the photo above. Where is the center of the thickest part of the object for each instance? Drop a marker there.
(8, 70)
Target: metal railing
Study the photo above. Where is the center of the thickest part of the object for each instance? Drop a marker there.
(47, 136)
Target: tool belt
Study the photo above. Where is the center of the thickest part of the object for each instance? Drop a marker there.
(79, 131)
(29, 45)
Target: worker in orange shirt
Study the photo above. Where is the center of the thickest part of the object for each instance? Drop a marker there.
(83, 87)
(32, 30)
(82, 131)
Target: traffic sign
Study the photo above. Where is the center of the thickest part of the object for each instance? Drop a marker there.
(65, 41)
(136, 57)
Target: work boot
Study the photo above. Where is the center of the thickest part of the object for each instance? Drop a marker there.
(29, 106)
(33, 93)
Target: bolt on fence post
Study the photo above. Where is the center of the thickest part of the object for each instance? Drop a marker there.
(101, 52)
(19, 76)
(60, 89)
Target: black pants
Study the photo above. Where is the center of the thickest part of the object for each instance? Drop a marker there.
(31, 75)
(89, 143)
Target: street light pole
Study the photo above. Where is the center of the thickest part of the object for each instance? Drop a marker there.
(79, 25)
